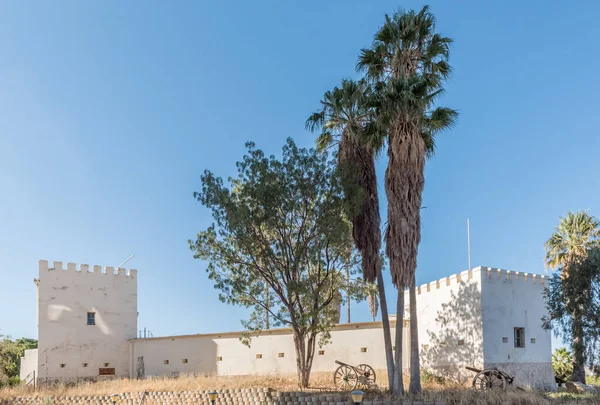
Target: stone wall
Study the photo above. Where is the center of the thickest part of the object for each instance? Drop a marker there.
(529, 375)
(249, 396)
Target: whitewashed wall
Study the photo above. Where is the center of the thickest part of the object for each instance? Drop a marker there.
(450, 324)
(64, 299)
(514, 300)
(29, 363)
(224, 354)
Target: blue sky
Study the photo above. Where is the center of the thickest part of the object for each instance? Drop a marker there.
(110, 111)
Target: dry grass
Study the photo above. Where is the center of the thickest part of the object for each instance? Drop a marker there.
(432, 390)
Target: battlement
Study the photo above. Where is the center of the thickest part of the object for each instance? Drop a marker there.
(85, 269)
(491, 272)
(481, 273)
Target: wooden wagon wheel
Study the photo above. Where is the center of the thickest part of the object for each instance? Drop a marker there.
(366, 375)
(488, 380)
(345, 378)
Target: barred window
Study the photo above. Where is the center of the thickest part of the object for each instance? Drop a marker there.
(520, 337)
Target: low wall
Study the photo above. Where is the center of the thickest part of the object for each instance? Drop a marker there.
(250, 396)
(539, 376)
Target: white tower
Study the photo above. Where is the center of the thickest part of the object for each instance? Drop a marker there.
(85, 319)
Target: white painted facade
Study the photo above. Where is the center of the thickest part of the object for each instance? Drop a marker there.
(467, 319)
(69, 348)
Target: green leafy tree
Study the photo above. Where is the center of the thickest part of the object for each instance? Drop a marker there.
(11, 352)
(347, 120)
(562, 364)
(408, 64)
(281, 225)
(573, 303)
(566, 249)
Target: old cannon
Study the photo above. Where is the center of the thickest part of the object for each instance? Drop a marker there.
(347, 377)
(490, 379)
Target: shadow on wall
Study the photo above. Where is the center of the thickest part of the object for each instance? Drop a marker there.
(457, 340)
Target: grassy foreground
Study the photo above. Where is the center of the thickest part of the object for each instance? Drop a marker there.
(433, 390)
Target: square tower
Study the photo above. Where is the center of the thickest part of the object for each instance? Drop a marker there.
(85, 319)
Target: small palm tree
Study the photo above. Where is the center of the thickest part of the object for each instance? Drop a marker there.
(571, 241)
(562, 364)
(408, 61)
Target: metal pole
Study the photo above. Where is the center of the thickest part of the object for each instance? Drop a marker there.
(128, 259)
(469, 241)
(348, 290)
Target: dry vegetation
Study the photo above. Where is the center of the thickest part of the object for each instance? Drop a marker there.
(433, 390)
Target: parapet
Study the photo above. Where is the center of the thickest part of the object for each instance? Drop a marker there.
(481, 273)
(85, 269)
(501, 274)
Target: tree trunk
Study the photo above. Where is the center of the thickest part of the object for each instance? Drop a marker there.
(578, 351)
(305, 353)
(415, 360)
(387, 335)
(398, 385)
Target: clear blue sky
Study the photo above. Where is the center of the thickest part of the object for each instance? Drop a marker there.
(110, 111)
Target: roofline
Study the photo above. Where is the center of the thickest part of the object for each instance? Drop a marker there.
(278, 331)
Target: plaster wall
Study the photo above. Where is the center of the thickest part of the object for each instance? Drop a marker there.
(514, 300)
(271, 353)
(28, 364)
(69, 349)
(450, 324)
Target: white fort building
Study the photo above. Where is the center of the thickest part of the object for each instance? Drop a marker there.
(483, 318)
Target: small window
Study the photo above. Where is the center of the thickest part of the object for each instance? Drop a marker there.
(425, 347)
(363, 349)
(85, 364)
(321, 352)
(184, 361)
(505, 339)
(461, 342)
(91, 318)
(259, 356)
(532, 340)
(280, 354)
(63, 365)
(106, 364)
(165, 361)
(393, 347)
(219, 358)
(520, 337)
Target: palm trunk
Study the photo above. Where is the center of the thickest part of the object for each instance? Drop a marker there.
(578, 351)
(415, 360)
(387, 335)
(398, 385)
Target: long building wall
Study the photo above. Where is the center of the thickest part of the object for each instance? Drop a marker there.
(271, 353)
(466, 319)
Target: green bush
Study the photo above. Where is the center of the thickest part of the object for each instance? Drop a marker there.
(429, 377)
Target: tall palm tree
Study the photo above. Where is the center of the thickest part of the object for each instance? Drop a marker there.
(346, 119)
(408, 61)
(569, 245)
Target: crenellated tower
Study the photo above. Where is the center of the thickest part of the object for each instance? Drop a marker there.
(85, 318)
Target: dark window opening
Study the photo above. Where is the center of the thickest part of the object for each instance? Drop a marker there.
(91, 318)
(520, 337)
